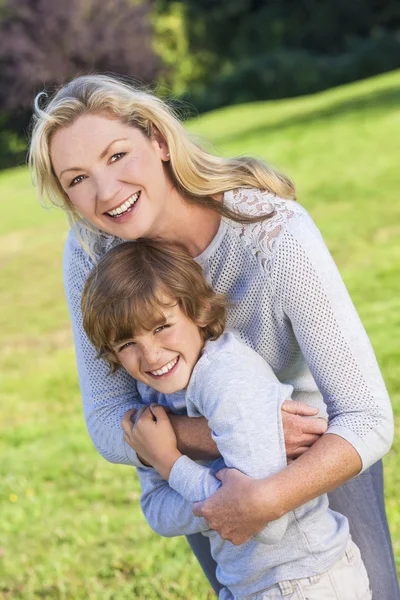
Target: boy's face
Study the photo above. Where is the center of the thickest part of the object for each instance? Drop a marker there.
(163, 357)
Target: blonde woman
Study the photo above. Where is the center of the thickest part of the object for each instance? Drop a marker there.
(123, 167)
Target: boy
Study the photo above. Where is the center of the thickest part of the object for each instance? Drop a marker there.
(147, 307)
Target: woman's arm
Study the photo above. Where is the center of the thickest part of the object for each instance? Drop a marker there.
(311, 294)
(243, 506)
(105, 397)
(300, 431)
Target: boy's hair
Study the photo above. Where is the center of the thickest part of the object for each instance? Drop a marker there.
(127, 290)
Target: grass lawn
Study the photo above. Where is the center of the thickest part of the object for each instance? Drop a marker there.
(71, 527)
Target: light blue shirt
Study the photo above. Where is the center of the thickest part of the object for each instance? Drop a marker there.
(237, 392)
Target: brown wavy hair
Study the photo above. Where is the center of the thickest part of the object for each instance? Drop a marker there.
(127, 290)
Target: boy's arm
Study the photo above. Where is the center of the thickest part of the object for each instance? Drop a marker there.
(249, 439)
(166, 511)
(242, 403)
(301, 432)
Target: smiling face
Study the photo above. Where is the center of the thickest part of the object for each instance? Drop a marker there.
(114, 175)
(163, 357)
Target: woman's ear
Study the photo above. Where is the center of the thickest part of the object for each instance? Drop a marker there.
(161, 143)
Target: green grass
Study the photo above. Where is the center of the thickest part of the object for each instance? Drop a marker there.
(70, 524)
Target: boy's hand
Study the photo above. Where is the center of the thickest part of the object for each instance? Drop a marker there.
(152, 437)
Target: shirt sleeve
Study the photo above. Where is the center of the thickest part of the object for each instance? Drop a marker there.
(166, 511)
(311, 294)
(105, 397)
(243, 412)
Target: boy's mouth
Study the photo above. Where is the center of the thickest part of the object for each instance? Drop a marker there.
(166, 369)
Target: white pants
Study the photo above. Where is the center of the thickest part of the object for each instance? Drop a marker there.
(346, 580)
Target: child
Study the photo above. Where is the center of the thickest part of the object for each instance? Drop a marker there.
(147, 307)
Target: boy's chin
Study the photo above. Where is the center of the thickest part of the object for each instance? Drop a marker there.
(167, 388)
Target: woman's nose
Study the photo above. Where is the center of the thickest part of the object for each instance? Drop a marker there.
(107, 189)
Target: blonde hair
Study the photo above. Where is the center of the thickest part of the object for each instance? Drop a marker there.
(131, 284)
(196, 174)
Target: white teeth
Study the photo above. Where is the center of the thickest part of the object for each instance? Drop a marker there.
(120, 210)
(166, 368)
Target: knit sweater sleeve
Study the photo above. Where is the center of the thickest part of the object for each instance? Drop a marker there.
(309, 291)
(105, 397)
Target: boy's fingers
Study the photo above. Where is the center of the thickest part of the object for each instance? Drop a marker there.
(221, 474)
(158, 412)
(127, 418)
(296, 407)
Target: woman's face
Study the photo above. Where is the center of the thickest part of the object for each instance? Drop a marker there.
(113, 174)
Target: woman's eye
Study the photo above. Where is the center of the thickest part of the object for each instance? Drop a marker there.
(117, 156)
(76, 180)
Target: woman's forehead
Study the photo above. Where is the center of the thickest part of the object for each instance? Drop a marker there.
(87, 137)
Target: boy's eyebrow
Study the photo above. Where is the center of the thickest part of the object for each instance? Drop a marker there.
(157, 323)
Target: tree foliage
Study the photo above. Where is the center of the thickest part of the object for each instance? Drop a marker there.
(246, 50)
(42, 41)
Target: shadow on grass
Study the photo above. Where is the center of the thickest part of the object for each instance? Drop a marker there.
(369, 103)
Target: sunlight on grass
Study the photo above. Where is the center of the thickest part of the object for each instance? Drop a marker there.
(71, 526)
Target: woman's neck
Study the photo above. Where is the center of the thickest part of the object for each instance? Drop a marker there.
(189, 224)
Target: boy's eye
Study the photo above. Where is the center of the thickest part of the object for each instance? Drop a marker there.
(126, 345)
(161, 328)
(117, 156)
(76, 180)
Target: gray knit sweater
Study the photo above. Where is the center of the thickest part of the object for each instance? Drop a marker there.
(289, 304)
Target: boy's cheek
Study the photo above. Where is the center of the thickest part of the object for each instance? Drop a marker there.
(130, 367)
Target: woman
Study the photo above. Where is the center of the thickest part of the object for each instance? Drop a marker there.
(123, 167)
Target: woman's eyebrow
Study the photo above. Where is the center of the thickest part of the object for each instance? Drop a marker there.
(102, 155)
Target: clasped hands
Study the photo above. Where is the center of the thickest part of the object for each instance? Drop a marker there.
(152, 437)
(243, 506)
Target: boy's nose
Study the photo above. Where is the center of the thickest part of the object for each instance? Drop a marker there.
(150, 357)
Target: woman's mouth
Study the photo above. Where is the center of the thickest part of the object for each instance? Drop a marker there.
(124, 208)
(166, 370)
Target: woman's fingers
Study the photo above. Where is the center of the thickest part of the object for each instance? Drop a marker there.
(315, 426)
(234, 510)
(308, 439)
(296, 407)
(301, 432)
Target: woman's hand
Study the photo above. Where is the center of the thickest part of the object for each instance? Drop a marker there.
(152, 437)
(299, 430)
(243, 506)
(238, 509)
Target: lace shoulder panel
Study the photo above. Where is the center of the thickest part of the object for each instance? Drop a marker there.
(261, 236)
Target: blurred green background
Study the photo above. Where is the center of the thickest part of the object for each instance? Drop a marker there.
(256, 71)
(71, 526)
